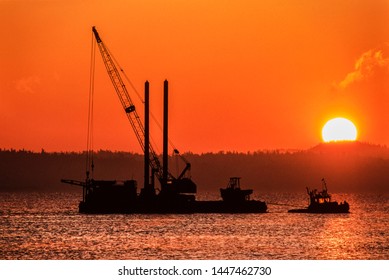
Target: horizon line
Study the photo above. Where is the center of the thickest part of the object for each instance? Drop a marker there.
(278, 150)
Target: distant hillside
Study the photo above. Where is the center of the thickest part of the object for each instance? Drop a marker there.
(352, 148)
(347, 167)
(23, 170)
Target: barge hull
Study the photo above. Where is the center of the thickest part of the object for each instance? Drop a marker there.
(155, 207)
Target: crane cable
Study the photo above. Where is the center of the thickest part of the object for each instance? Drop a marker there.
(141, 99)
(89, 144)
(175, 150)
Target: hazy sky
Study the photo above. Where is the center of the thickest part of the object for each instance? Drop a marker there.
(243, 75)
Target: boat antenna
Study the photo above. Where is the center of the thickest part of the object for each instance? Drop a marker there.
(89, 144)
(324, 184)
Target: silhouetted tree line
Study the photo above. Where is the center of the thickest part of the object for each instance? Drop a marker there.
(364, 168)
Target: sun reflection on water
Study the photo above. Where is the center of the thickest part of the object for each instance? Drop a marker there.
(32, 231)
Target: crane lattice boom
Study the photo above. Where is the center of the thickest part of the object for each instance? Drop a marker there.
(127, 104)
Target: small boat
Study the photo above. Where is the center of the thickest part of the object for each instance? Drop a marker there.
(233, 193)
(234, 200)
(320, 202)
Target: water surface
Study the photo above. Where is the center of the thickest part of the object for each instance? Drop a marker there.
(48, 226)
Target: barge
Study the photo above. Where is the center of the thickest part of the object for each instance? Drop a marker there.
(176, 194)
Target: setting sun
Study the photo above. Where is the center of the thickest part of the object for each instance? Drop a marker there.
(339, 129)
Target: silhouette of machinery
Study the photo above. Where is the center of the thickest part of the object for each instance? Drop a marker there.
(181, 185)
(177, 193)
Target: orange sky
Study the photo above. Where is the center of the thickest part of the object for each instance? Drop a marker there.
(244, 75)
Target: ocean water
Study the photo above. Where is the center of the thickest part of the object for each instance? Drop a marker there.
(48, 226)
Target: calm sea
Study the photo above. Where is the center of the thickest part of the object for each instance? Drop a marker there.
(48, 226)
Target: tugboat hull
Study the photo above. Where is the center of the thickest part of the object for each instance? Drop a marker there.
(324, 209)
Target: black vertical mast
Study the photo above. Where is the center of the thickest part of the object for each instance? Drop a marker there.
(165, 134)
(147, 138)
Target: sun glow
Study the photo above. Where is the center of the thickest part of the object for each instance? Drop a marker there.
(339, 129)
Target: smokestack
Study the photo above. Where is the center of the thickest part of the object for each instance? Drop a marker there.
(165, 133)
(147, 138)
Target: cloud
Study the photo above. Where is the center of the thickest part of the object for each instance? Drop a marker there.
(27, 84)
(371, 65)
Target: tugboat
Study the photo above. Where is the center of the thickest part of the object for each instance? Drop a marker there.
(320, 202)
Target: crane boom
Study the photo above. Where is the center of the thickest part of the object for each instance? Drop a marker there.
(127, 104)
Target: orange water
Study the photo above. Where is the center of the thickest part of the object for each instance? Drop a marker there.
(48, 226)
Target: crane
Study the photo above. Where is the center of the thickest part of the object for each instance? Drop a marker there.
(135, 121)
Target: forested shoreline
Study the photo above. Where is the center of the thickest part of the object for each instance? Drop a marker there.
(363, 169)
